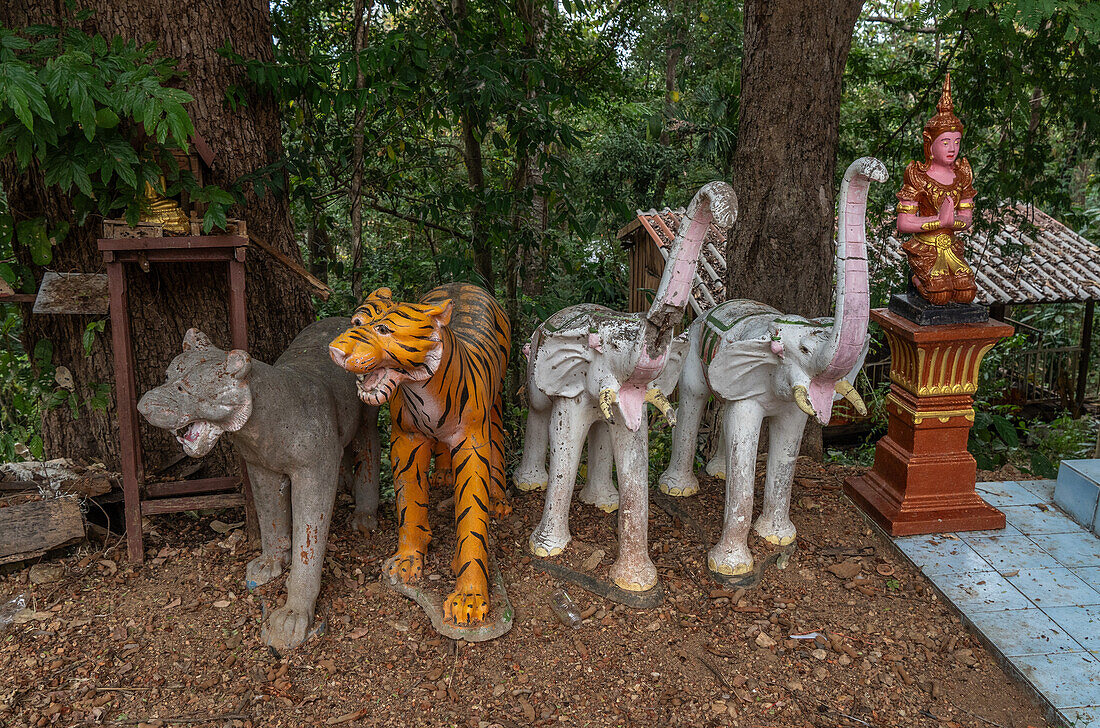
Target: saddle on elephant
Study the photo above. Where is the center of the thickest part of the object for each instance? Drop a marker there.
(936, 202)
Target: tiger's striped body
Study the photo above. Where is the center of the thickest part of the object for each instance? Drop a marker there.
(440, 364)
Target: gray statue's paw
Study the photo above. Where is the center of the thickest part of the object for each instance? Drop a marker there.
(286, 628)
(364, 522)
(263, 569)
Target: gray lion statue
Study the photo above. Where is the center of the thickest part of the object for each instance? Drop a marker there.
(300, 429)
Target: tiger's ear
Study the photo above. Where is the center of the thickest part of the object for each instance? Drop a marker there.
(440, 312)
(380, 295)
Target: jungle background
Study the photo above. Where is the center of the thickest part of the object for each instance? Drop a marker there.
(503, 142)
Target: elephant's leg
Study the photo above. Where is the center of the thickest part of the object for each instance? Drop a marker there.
(366, 451)
(633, 569)
(784, 438)
(599, 489)
(313, 493)
(679, 478)
(443, 476)
(411, 454)
(469, 602)
(498, 499)
(271, 494)
(531, 473)
(569, 421)
(741, 423)
(716, 467)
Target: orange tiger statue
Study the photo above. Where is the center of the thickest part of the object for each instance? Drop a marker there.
(440, 364)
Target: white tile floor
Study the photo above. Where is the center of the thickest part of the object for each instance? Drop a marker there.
(1033, 590)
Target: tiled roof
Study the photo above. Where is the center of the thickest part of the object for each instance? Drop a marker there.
(1044, 261)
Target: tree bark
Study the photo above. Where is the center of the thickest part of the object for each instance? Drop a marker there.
(780, 252)
(167, 301)
(359, 42)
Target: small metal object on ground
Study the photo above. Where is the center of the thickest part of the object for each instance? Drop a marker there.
(157, 497)
(501, 616)
(638, 600)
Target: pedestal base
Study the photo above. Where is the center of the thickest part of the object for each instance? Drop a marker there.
(923, 477)
(919, 311)
(957, 508)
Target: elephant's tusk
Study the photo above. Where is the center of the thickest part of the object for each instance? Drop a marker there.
(658, 399)
(845, 389)
(608, 397)
(802, 399)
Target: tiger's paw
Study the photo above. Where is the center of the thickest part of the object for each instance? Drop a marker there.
(405, 566)
(442, 479)
(499, 507)
(467, 605)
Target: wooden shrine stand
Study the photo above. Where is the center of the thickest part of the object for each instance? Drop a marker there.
(923, 478)
(142, 499)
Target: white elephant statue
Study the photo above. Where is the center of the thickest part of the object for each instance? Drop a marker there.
(760, 363)
(589, 365)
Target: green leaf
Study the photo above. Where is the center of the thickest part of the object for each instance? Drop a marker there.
(90, 331)
(1006, 431)
(43, 353)
(32, 234)
(6, 228)
(106, 119)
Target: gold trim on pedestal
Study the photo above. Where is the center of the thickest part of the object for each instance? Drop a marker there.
(920, 416)
(935, 370)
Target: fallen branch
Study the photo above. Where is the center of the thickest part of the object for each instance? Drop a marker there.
(323, 291)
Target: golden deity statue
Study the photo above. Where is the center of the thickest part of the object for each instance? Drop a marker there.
(166, 212)
(936, 203)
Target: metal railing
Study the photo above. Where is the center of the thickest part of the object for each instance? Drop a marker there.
(1043, 375)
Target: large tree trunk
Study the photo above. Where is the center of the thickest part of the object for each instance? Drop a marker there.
(780, 252)
(167, 301)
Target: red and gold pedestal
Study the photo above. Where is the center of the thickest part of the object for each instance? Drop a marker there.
(923, 477)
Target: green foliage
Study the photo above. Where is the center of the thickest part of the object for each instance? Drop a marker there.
(1063, 438)
(24, 384)
(98, 117)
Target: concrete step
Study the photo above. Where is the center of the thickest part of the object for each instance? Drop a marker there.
(1077, 492)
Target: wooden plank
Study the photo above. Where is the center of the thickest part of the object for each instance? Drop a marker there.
(323, 291)
(184, 487)
(191, 503)
(185, 242)
(30, 529)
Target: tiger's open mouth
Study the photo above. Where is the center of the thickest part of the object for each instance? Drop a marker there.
(375, 386)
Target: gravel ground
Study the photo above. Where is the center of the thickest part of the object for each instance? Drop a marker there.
(176, 642)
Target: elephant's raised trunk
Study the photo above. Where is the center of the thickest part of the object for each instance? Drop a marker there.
(853, 301)
(714, 202)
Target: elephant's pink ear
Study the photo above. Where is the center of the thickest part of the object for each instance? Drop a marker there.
(561, 363)
(739, 369)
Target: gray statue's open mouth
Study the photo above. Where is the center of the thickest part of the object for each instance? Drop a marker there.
(198, 437)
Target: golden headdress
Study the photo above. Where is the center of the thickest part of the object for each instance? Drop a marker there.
(944, 120)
